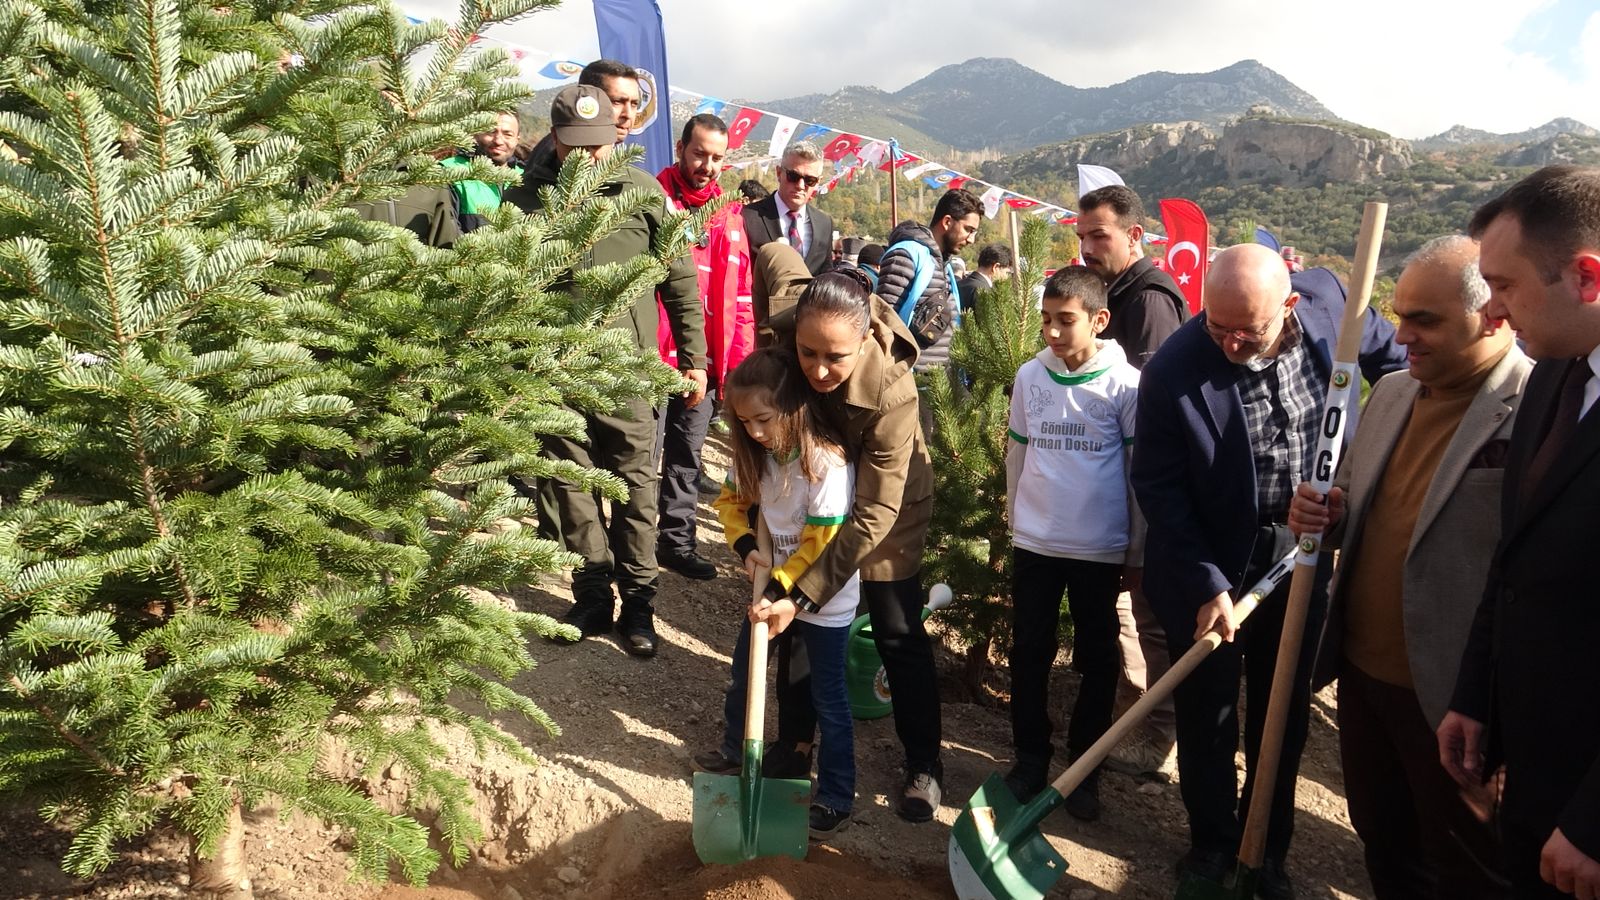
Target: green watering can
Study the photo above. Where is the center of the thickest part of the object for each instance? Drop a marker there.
(865, 681)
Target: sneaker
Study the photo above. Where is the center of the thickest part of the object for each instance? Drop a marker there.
(708, 485)
(687, 563)
(1028, 776)
(1145, 755)
(825, 822)
(920, 798)
(779, 761)
(1083, 803)
(1272, 882)
(712, 762)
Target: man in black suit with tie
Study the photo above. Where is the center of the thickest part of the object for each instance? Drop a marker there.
(1528, 695)
(787, 213)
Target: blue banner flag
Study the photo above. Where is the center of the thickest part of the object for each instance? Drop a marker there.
(811, 133)
(1267, 238)
(630, 32)
(711, 105)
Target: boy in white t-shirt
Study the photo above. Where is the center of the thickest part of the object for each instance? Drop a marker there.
(1074, 525)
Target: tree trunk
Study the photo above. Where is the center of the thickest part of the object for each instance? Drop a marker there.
(975, 667)
(223, 876)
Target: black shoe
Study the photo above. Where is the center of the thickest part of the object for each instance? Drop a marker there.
(1214, 866)
(712, 762)
(1083, 803)
(639, 638)
(590, 617)
(781, 761)
(920, 797)
(1272, 882)
(825, 822)
(1028, 776)
(687, 563)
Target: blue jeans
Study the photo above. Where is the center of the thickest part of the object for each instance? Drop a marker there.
(813, 656)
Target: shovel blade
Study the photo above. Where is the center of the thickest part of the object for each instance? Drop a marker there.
(985, 864)
(1241, 885)
(737, 820)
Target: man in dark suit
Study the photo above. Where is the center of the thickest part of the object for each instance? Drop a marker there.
(1527, 694)
(1228, 410)
(787, 214)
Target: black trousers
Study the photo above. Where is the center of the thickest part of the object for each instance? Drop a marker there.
(683, 435)
(907, 653)
(1523, 847)
(1207, 706)
(1422, 840)
(1091, 589)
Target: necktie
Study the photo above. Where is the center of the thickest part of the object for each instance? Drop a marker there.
(794, 233)
(1562, 425)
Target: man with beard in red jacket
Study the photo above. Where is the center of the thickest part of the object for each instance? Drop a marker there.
(722, 260)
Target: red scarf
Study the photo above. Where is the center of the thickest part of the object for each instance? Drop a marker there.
(678, 188)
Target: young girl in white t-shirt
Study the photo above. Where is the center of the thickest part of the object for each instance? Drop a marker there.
(787, 463)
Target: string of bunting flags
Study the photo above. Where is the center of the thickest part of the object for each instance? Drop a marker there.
(849, 153)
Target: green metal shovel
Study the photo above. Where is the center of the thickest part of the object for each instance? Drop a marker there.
(741, 818)
(996, 849)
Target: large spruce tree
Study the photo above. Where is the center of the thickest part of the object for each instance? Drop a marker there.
(250, 444)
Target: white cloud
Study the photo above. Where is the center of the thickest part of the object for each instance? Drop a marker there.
(1409, 67)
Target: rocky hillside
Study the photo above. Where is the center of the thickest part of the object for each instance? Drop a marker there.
(1004, 105)
(1256, 148)
(1462, 136)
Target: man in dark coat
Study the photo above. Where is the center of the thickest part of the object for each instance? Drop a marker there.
(1228, 410)
(1527, 694)
(788, 215)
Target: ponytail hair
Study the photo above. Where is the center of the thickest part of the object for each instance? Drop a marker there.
(796, 427)
(842, 292)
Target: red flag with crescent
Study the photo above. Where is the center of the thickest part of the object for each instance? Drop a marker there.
(1021, 203)
(1188, 247)
(840, 147)
(956, 182)
(741, 126)
(904, 159)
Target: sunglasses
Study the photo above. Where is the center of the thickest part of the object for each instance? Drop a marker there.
(794, 177)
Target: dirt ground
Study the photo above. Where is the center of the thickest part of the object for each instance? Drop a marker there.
(608, 814)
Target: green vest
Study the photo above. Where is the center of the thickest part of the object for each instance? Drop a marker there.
(473, 197)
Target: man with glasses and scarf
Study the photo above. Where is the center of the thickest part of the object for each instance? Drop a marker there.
(787, 214)
(1228, 412)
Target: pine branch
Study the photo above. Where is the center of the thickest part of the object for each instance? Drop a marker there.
(82, 746)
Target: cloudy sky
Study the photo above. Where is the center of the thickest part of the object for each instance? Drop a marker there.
(1410, 67)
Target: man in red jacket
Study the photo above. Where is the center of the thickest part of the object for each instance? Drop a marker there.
(722, 259)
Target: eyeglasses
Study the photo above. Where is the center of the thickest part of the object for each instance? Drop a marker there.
(794, 177)
(1243, 335)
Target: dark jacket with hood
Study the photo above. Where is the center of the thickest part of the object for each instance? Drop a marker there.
(898, 271)
(679, 293)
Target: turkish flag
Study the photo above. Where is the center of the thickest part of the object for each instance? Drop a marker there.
(1021, 203)
(1188, 247)
(742, 125)
(902, 160)
(957, 182)
(840, 147)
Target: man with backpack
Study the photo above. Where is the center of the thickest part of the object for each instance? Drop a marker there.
(915, 276)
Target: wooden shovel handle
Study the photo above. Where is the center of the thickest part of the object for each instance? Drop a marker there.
(1075, 774)
(755, 691)
(1264, 777)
